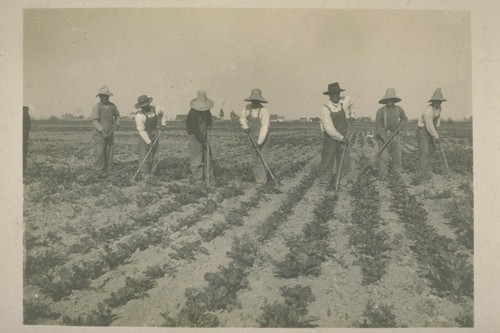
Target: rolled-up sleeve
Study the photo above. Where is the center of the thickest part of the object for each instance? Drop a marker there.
(327, 125)
(243, 119)
(94, 118)
(352, 111)
(161, 112)
(429, 125)
(140, 123)
(117, 116)
(265, 119)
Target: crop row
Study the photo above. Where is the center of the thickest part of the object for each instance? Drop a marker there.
(442, 260)
(369, 241)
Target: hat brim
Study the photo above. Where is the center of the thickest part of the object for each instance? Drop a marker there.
(110, 94)
(141, 105)
(387, 100)
(249, 99)
(202, 105)
(435, 99)
(333, 92)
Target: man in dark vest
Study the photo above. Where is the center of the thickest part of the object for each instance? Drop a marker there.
(387, 121)
(336, 117)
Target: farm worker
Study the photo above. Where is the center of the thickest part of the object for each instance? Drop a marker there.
(146, 121)
(198, 123)
(255, 119)
(336, 116)
(387, 120)
(106, 119)
(427, 134)
(26, 133)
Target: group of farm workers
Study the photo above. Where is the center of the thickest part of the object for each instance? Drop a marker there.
(336, 117)
(151, 119)
(338, 114)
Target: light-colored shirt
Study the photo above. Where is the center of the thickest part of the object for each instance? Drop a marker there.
(140, 121)
(427, 120)
(264, 117)
(326, 122)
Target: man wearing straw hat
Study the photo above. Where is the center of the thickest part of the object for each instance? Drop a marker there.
(198, 122)
(335, 118)
(146, 121)
(427, 134)
(255, 120)
(106, 119)
(389, 119)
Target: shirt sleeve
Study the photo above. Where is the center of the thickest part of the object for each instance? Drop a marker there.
(243, 119)
(140, 123)
(117, 116)
(352, 111)
(328, 127)
(94, 118)
(402, 115)
(161, 112)
(429, 125)
(379, 123)
(265, 119)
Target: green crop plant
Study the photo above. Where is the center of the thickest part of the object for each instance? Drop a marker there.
(377, 315)
(194, 314)
(243, 251)
(35, 309)
(292, 313)
(134, 289)
(102, 316)
(187, 250)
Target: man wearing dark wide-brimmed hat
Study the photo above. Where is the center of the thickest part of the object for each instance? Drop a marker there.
(106, 119)
(427, 135)
(335, 118)
(388, 119)
(198, 122)
(146, 121)
(255, 119)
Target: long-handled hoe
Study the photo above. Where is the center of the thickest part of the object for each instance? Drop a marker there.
(444, 158)
(145, 158)
(82, 152)
(400, 126)
(262, 159)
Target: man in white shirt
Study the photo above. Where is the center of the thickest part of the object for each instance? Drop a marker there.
(255, 119)
(146, 120)
(427, 135)
(336, 117)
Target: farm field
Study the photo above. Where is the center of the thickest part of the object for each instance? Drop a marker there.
(105, 251)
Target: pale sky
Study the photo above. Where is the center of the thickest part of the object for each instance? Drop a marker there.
(291, 54)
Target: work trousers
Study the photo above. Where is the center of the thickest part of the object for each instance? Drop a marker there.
(331, 156)
(390, 156)
(104, 151)
(426, 150)
(259, 171)
(197, 160)
(151, 163)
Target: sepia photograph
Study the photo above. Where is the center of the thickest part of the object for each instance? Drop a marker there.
(247, 166)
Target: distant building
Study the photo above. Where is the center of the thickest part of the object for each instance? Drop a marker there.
(365, 119)
(302, 119)
(275, 117)
(314, 119)
(132, 114)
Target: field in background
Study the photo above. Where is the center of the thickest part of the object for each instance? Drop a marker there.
(102, 250)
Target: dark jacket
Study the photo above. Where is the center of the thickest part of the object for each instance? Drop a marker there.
(198, 123)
